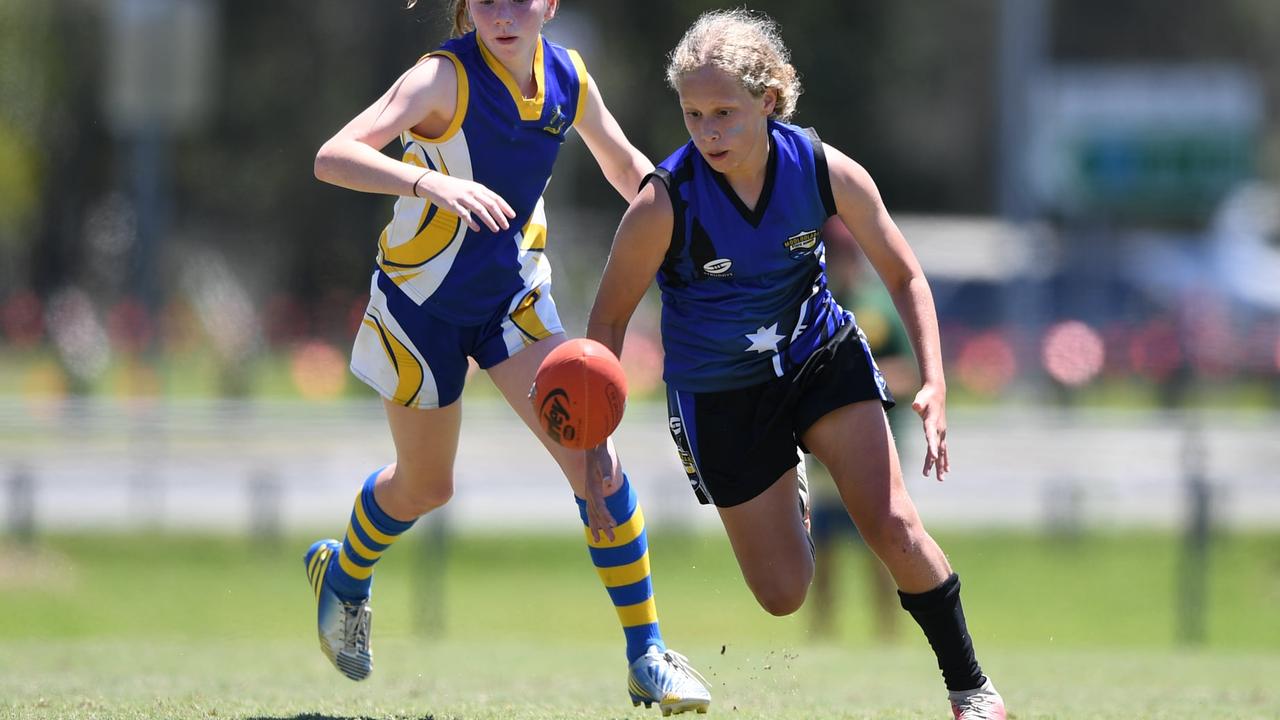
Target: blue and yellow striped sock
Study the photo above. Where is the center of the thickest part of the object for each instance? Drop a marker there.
(623, 564)
(370, 533)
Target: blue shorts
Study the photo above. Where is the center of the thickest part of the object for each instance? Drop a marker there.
(416, 359)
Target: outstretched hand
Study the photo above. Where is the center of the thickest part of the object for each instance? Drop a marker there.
(931, 405)
(599, 475)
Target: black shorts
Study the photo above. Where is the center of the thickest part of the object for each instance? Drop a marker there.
(735, 444)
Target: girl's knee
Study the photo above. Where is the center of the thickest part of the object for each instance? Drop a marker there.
(419, 494)
(783, 595)
(781, 600)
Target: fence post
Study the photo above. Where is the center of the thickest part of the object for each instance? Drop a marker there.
(429, 582)
(264, 494)
(22, 505)
(148, 452)
(1064, 509)
(1194, 565)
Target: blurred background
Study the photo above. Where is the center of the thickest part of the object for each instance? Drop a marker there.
(1093, 189)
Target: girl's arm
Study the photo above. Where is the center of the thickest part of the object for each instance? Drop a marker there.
(424, 99)
(638, 250)
(862, 211)
(623, 165)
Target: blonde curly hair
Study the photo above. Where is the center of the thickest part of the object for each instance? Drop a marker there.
(746, 45)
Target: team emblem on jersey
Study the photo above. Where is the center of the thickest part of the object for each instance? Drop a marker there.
(720, 267)
(556, 124)
(801, 244)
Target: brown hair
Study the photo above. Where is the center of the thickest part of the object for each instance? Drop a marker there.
(743, 44)
(458, 11)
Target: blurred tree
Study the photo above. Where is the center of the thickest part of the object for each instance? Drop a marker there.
(23, 85)
(908, 89)
(42, 136)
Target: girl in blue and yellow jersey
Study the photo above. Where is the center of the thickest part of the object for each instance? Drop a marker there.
(761, 361)
(461, 273)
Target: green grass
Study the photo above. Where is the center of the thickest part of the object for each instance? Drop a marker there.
(123, 626)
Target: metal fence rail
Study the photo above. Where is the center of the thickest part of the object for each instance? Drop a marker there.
(267, 466)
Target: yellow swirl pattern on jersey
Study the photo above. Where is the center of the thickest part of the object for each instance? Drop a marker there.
(525, 317)
(418, 247)
(437, 229)
(407, 365)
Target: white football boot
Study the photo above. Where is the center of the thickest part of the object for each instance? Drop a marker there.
(668, 679)
(981, 703)
(343, 626)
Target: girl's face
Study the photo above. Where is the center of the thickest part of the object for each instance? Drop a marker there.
(728, 124)
(509, 28)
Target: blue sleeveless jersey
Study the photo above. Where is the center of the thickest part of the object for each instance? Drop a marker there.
(744, 292)
(506, 142)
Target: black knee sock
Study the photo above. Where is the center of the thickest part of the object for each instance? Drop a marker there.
(939, 614)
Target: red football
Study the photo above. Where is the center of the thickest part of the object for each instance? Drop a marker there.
(579, 393)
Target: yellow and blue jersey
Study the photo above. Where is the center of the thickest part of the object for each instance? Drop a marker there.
(506, 142)
(744, 291)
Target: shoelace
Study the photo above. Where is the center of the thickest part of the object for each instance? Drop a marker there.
(355, 627)
(681, 663)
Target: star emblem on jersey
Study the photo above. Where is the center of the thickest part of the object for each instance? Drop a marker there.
(765, 339)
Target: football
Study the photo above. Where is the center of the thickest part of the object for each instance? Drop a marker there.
(579, 393)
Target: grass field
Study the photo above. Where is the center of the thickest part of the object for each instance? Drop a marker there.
(208, 627)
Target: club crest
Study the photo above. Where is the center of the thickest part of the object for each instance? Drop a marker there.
(802, 244)
(555, 125)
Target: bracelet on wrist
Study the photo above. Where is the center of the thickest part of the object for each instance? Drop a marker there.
(425, 173)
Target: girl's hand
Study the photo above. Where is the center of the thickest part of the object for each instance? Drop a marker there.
(466, 199)
(599, 473)
(931, 405)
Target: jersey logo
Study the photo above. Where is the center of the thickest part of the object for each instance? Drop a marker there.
(719, 267)
(802, 244)
(556, 124)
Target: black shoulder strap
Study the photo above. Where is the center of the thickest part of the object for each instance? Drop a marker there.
(820, 169)
(676, 246)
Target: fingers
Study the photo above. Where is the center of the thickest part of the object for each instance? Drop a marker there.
(505, 208)
(600, 519)
(606, 525)
(944, 460)
(487, 213)
(465, 216)
(496, 209)
(936, 457)
(479, 205)
(599, 472)
(929, 405)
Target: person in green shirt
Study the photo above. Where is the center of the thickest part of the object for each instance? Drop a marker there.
(858, 290)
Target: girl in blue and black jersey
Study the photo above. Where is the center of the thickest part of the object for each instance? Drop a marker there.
(761, 362)
(461, 273)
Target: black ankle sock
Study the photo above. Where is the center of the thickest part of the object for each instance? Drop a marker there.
(940, 615)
